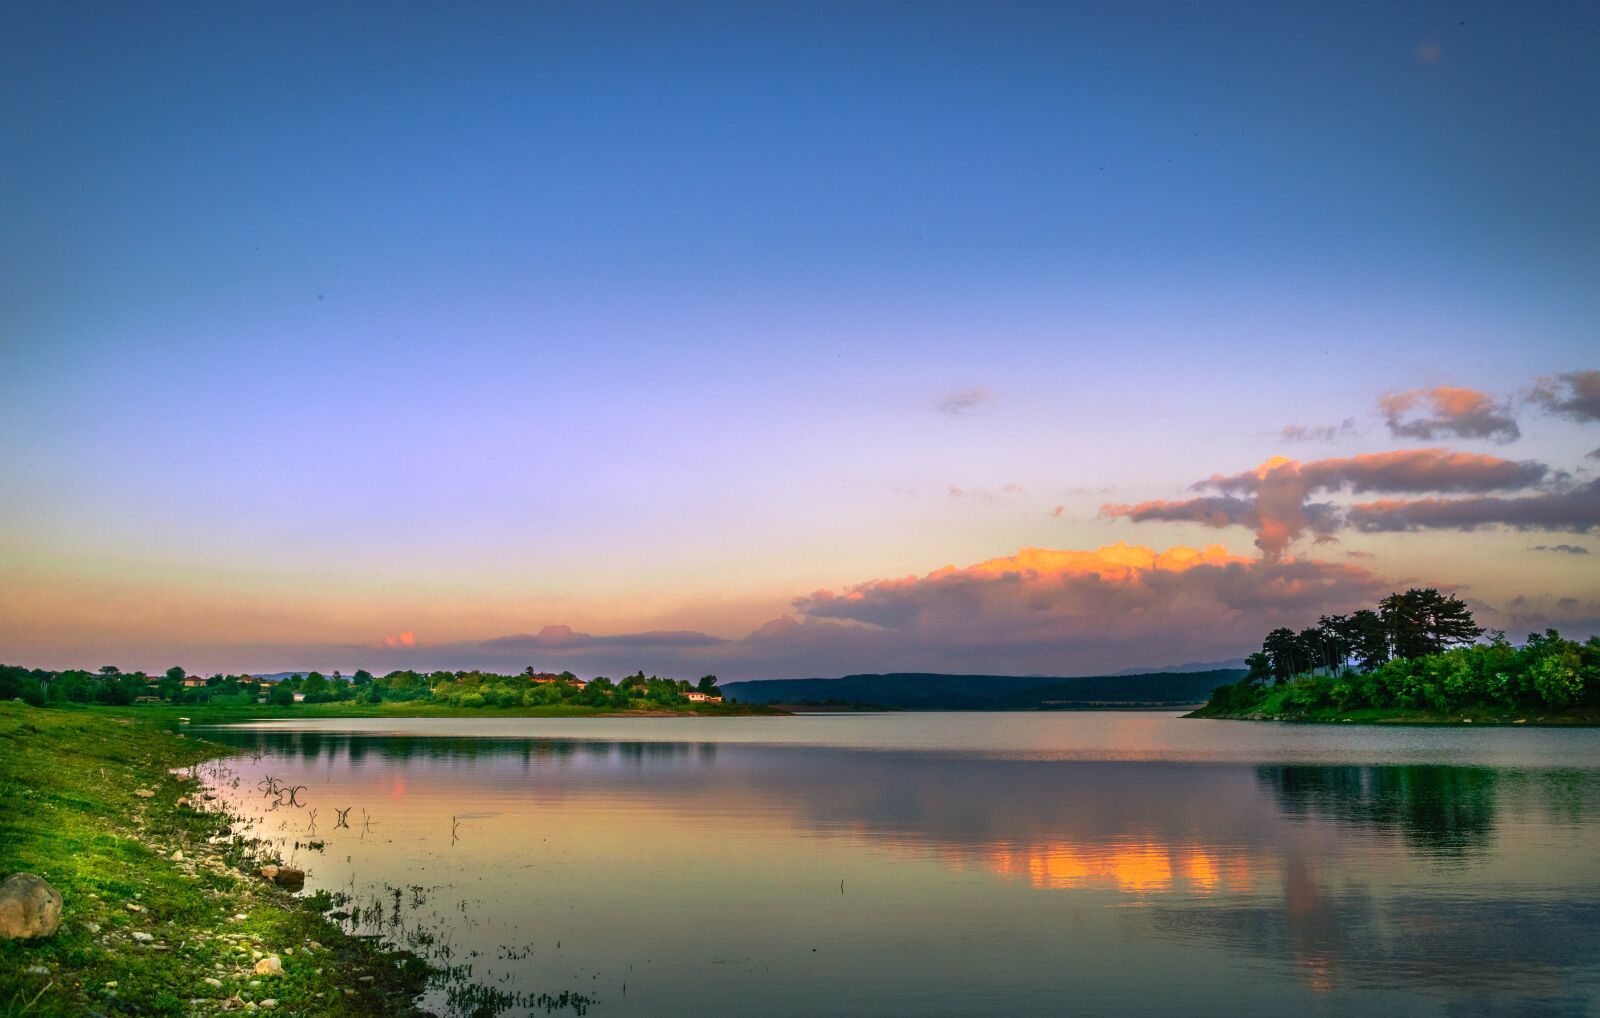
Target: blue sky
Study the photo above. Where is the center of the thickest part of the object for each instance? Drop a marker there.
(360, 320)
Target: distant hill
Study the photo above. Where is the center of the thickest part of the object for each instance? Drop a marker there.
(280, 676)
(932, 691)
(1192, 666)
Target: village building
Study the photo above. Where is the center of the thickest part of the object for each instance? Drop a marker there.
(550, 678)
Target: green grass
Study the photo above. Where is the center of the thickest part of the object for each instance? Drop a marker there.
(1275, 705)
(68, 812)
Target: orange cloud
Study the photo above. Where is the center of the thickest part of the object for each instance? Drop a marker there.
(1039, 611)
(1040, 598)
(1465, 413)
(1274, 499)
(406, 639)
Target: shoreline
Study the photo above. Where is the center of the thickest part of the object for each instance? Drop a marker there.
(160, 911)
(1478, 719)
(168, 716)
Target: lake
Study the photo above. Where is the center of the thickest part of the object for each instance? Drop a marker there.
(1096, 863)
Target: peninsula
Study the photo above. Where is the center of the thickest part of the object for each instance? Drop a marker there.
(1418, 658)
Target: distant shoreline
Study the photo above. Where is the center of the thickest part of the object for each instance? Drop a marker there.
(225, 714)
(1576, 718)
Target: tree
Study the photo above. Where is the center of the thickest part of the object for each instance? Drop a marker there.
(708, 685)
(316, 688)
(1282, 647)
(110, 670)
(1369, 639)
(1260, 668)
(281, 695)
(1336, 639)
(1424, 621)
(362, 677)
(176, 673)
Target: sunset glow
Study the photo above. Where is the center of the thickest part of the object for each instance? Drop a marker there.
(442, 351)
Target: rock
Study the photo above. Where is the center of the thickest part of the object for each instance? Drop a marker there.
(92, 927)
(143, 938)
(269, 871)
(134, 908)
(177, 856)
(183, 777)
(145, 793)
(38, 970)
(269, 1002)
(288, 876)
(269, 966)
(29, 907)
(213, 982)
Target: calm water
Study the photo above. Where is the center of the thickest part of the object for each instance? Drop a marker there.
(955, 864)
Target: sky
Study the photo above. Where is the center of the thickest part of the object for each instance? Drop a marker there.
(788, 340)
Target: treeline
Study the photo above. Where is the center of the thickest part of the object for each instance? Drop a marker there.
(1420, 650)
(531, 688)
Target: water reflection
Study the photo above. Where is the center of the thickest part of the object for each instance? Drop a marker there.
(1126, 886)
(1436, 809)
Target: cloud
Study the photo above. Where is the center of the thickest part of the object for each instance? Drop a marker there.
(1274, 498)
(1575, 394)
(1043, 602)
(987, 494)
(1318, 432)
(1446, 410)
(1405, 470)
(406, 639)
(1524, 613)
(1039, 611)
(962, 402)
(1565, 549)
(1574, 510)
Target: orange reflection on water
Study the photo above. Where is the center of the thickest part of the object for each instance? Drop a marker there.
(1143, 867)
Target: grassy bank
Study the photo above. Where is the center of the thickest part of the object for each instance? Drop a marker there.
(1270, 710)
(158, 918)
